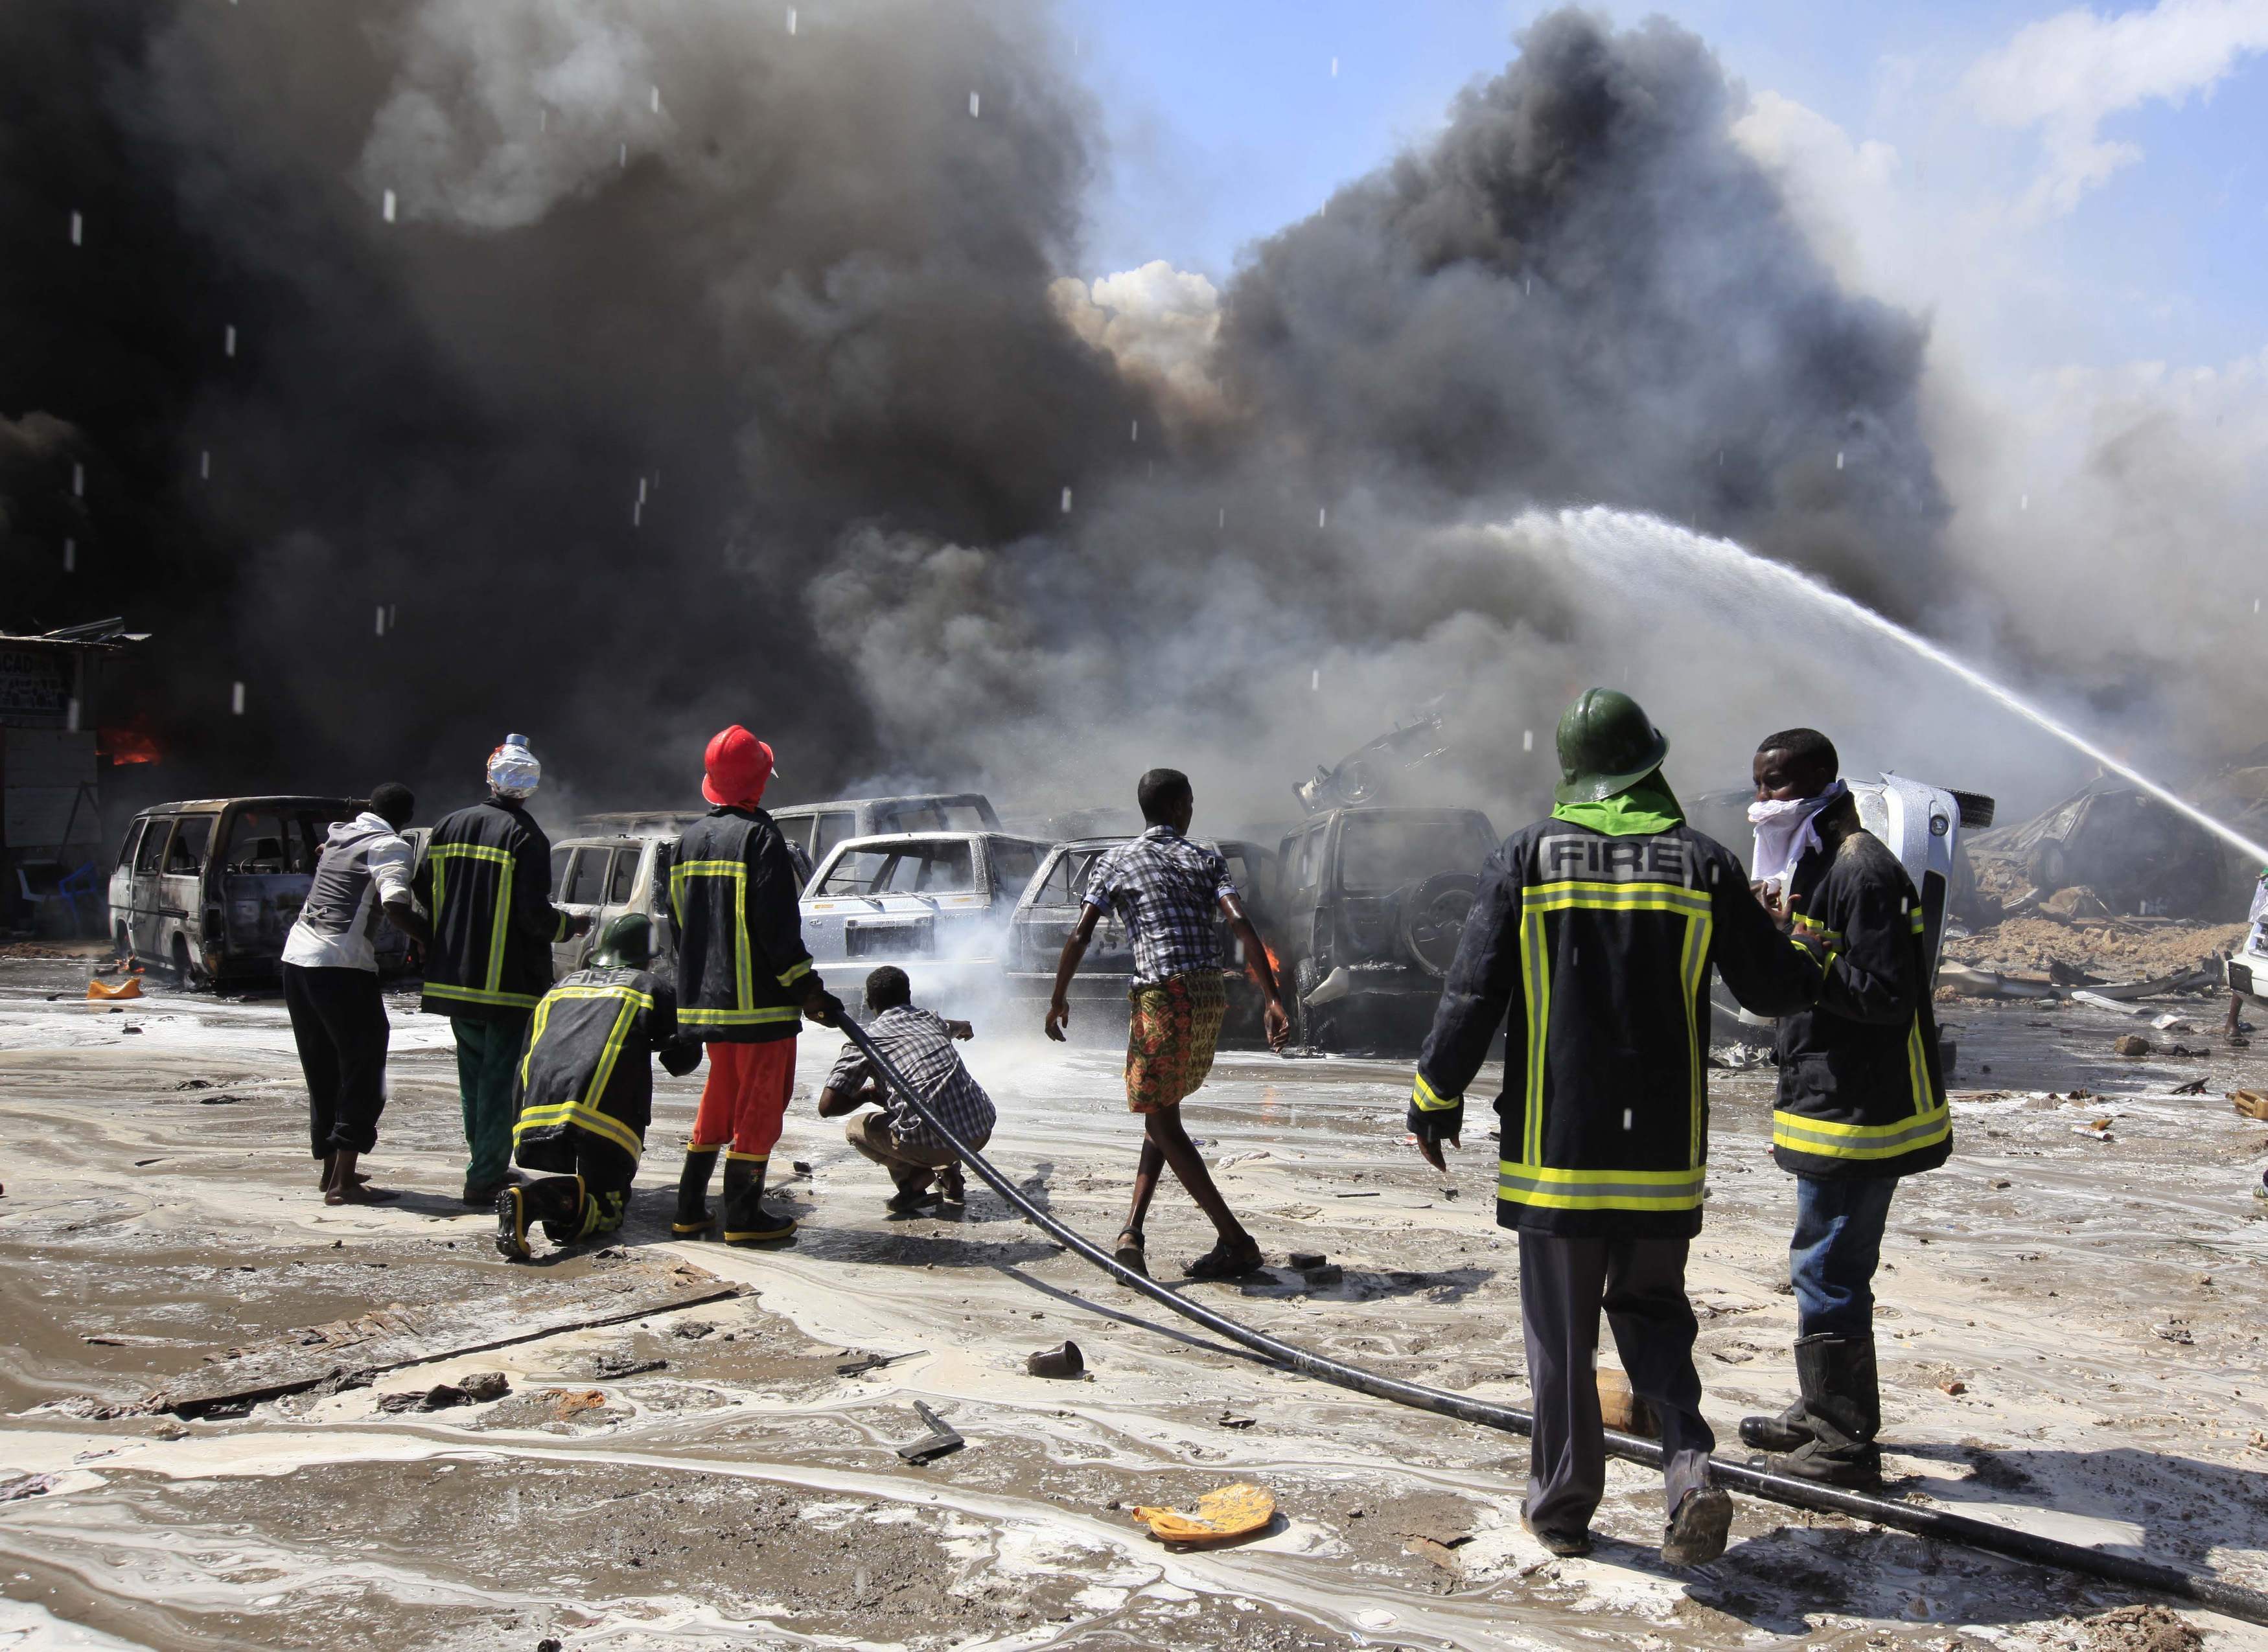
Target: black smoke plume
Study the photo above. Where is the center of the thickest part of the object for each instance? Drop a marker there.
(705, 371)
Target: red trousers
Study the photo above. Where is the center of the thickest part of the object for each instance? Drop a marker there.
(745, 1099)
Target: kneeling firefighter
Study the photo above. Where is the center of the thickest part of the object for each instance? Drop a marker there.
(584, 1090)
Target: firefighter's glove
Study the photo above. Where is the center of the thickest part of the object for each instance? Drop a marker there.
(826, 1009)
(1435, 1119)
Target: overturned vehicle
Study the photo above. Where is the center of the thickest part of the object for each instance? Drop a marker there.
(2126, 849)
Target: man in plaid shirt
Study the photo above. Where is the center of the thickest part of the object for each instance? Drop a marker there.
(920, 1046)
(1166, 891)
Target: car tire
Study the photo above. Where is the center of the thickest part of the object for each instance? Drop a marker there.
(1432, 920)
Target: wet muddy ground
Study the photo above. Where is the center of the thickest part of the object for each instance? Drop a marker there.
(2071, 1323)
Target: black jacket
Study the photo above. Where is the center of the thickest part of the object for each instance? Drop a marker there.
(1601, 947)
(486, 877)
(742, 968)
(588, 1065)
(1861, 1094)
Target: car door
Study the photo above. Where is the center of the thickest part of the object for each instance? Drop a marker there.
(1301, 882)
(147, 920)
(580, 888)
(122, 880)
(182, 881)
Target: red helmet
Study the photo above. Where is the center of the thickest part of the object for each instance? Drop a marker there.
(739, 765)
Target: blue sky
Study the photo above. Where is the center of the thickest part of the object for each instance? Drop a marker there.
(1226, 121)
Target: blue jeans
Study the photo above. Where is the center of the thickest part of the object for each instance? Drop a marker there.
(1831, 1260)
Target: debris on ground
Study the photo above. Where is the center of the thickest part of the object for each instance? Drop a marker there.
(2252, 1103)
(441, 1397)
(1232, 1511)
(940, 1441)
(26, 1485)
(483, 1387)
(1064, 1361)
(568, 1402)
(611, 1367)
(130, 988)
(2144, 1628)
(2131, 1044)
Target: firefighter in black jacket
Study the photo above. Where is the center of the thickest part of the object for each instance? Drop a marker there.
(1595, 929)
(1861, 1100)
(744, 984)
(584, 1090)
(486, 877)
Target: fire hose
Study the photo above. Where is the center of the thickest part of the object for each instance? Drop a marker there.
(2234, 1600)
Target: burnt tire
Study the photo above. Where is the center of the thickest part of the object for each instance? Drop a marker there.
(1432, 920)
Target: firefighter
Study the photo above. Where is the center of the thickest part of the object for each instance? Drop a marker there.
(744, 984)
(584, 1090)
(1861, 1101)
(1595, 929)
(486, 877)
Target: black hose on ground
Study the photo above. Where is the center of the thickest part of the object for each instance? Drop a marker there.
(2234, 1600)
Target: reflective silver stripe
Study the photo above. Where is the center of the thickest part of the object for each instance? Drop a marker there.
(1787, 1126)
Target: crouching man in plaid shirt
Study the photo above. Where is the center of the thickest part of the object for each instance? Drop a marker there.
(920, 1046)
(1168, 890)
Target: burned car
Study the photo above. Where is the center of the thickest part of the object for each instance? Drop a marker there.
(936, 904)
(210, 888)
(1372, 903)
(1048, 910)
(813, 829)
(603, 877)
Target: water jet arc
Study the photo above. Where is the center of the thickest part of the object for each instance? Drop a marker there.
(1615, 534)
(2234, 1600)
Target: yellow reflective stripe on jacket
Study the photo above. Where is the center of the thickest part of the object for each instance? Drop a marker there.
(1813, 927)
(1536, 991)
(1554, 1189)
(574, 1112)
(440, 853)
(1425, 1098)
(695, 1015)
(482, 996)
(744, 984)
(1694, 971)
(1824, 1138)
(1572, 894)
(796, 974)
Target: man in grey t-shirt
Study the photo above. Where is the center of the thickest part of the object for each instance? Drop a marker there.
(330, 986)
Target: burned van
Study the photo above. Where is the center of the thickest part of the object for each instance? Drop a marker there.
(210, 888)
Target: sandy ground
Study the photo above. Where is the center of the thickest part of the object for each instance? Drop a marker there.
(2071, 1326)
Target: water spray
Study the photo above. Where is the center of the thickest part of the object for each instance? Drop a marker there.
(2234, 1600)
(1630, 542)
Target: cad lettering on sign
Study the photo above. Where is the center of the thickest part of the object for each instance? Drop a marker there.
(32, 683)
(1597, 860)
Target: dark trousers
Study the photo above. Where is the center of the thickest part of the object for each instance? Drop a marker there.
(1641, 1284)
(1837, 1244)
(338, 1020)
(487, 1052)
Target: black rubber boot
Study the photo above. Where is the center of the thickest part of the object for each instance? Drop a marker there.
(1844, 1402)
(511, 1225)
(557, 1201)
(1786, 1432)
(746, 1222)
(693, 1212)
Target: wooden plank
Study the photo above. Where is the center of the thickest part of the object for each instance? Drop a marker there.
(395, 1335)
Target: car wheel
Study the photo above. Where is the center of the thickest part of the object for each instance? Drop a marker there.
(1433, 918)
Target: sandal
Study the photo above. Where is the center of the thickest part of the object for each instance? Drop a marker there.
(1227, 1260)
(1132, 1253)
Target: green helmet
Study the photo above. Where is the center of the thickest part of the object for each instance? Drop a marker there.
(1607, 744)
(626, 942)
